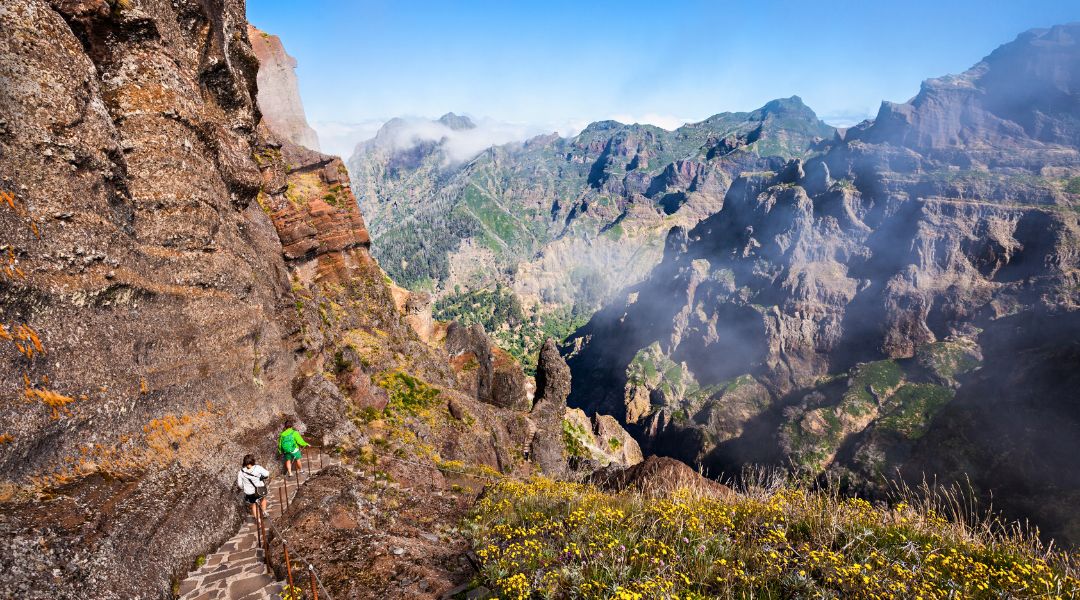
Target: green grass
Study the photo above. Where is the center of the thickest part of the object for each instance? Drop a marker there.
(493, 217)
(408, 395)
(915, 405)
(882, 376)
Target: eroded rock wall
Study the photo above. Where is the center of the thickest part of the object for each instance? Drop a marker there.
(279, 91)
(145, 300)
(836, 314)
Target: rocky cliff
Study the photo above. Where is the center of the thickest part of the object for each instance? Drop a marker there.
(279, 91)
(176, 277)
(560, 223)
(144, 301)
(870, 309)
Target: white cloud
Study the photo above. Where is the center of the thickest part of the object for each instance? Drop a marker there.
(458, 145)
(669, 122)
(339, 138)
(847, 117)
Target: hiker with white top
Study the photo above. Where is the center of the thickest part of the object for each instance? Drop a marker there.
(252, 480)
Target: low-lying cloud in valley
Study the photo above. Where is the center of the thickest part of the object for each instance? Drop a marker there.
(461, 138)
(460, 142)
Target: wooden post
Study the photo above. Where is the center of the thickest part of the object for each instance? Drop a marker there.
(285, 480)
(296, 472)
(281, 501)
(314, 587)
(320, 461)
(265, 543)
(288, 567)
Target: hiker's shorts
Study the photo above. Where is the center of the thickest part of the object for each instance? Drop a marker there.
(251, 498)
(294, 455)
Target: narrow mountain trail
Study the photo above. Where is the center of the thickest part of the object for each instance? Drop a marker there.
(237, 569)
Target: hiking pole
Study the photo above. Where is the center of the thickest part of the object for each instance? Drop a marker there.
(314, 588)
(288, 567)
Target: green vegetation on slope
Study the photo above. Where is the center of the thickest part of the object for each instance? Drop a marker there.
(880, 392)
(913, 407)
(502, 316)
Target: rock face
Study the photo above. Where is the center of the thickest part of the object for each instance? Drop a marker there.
(657, 475)
(599, 440)
(174, 278)
(561, 223)
(145, 297)
(552, 387)
(279, 91)
(492, 374)
(836, 312)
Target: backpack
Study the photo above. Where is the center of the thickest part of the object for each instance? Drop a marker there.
(287, 441)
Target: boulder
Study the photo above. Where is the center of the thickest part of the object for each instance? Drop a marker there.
(486, 371)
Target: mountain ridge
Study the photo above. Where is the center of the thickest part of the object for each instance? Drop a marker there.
(839, 314)
(561, 222)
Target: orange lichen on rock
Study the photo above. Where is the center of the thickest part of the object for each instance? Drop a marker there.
(170, 436)
(54, 400)
(6, 438)
(24, 337)
(11, 269)
(32, 343)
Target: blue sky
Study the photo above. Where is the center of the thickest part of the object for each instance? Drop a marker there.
(561, 64)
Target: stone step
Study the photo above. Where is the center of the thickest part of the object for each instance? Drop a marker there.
(248, 585)
(270, 592)
(235, 570)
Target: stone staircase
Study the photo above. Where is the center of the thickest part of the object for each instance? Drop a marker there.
(236, 570)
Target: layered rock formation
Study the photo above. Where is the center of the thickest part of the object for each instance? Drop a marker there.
(279, 91)
(563, 223)
(144, 307)
(836, 311)
(491, 373)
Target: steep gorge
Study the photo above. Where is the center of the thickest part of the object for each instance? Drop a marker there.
(872, 309)
(557, 225)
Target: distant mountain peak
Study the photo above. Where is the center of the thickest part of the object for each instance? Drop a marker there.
(457, 122)
(1023, 94)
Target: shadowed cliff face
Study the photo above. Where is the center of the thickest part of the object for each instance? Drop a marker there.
(840, 314)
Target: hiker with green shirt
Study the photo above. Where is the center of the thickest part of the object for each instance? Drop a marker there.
(289, 444)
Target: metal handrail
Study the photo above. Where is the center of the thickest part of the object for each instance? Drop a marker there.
(314, 574)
